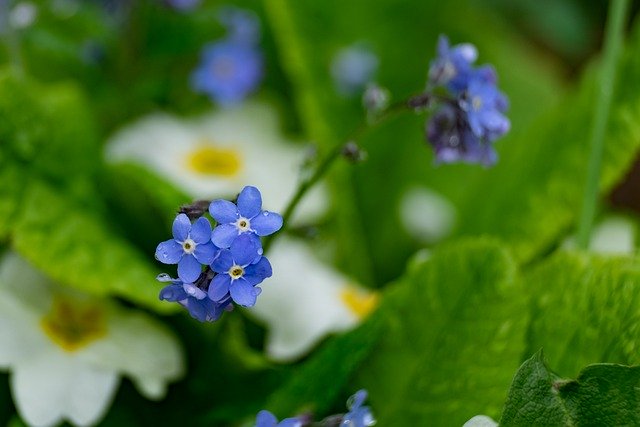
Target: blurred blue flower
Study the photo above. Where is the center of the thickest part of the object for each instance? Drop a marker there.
(239, 269)
(229, 71)
(183, 5)
(190, 247)
(267, 419)
(242, 25)
(193, 298)
(245, 217)
(353, 68)
(484, 105)
(453, 66)
(358, 415)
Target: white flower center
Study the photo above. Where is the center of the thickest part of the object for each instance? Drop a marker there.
(189, 246)
(243, 224)
(476, 102)
(236, 272)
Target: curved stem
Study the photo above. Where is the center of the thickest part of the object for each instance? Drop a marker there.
(613, 42)
(330, 158)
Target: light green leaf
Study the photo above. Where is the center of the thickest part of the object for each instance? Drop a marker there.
(453, 334)
(585, 310)
(74, 246)
(602, 395)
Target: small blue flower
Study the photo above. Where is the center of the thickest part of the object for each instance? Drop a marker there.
(242, 25)
(229, 71)
(453, 65)
(453, 140)
(193, 298)
(183, 5)
(239, 269)
(353, 68)
(245, 217)
(190, 247)
(358, 415)
(267, 419)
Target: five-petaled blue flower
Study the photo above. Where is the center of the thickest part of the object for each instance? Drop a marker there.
(193, 298)
(358, 415)
(484, 105)
(453, 65)
(245, 217)
(267, 419)
(190, 247)
(240, 268)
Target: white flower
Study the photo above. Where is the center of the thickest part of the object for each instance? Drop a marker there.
(481, 421)
(613, 235)
(427, 215)
(306, 300)
(217, 154)
(66, 352)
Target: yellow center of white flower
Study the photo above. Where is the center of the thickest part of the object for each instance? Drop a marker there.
(236, 272)
(73, 324)
(188, 246)
(209, 160)
(359, 302)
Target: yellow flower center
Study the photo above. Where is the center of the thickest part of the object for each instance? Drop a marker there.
(209, 160)
(360, 303)
(236, 272)
(189, 246)
(72, 324)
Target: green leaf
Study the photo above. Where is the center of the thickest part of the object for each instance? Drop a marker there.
(602, 395)
(453, 332)
(74, 246)
(585, 310)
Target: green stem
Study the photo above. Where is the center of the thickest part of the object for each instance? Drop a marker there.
(326, 163)
(614, 33)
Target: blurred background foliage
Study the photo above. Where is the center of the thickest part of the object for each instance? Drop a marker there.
(83, 69)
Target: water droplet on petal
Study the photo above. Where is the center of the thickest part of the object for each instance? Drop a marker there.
(260, 251)
(163, 277)
(265, 213)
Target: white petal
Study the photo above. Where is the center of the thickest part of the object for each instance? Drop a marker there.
(21, 283)
(302, 302)
(139, 347)
(426, 215)
(56, 386)
(480, 421)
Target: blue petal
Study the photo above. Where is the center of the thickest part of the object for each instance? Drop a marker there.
(223, 262)
(197, 309)
(201, 231)
(189, 269)
(206, 253)
(169, 252)
(243, 293)
(245, 249)
(249, 202)
(266, 419)
(223, 211)
(224, 235)
(259, 271)
(290, 422)
(173, 293)
(266, 223)
(193, 291)
(181, 227)
(219, 287)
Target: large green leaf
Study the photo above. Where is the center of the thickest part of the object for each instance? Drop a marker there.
(74, 246)
(453, 334)
(585, 310)
(404, 35)
(602, 395)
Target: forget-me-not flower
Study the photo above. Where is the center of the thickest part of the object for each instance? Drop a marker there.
(190, 247)
(242, 25)
(353, 68)
(267, 419)
(358, 415)
(194, 299)
(245, 217)
(240, 268)
(453, 65)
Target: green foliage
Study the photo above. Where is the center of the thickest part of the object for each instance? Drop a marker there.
(453, 332)
(603, 394)
(585, 309)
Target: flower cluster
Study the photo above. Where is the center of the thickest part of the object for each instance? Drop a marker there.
(470, 115)
(231, 254)
(231, 68)
(358, 416)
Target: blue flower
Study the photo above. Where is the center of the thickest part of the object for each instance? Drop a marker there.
(484, 105)
(245, 217)
(267, 419)
(190, 247)
(453, 65)
(183, 5)
(242, 25)
(358, 415)
(193, 299)
(453, 140)
(352, 68)
(229, 71)
(239, 269)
